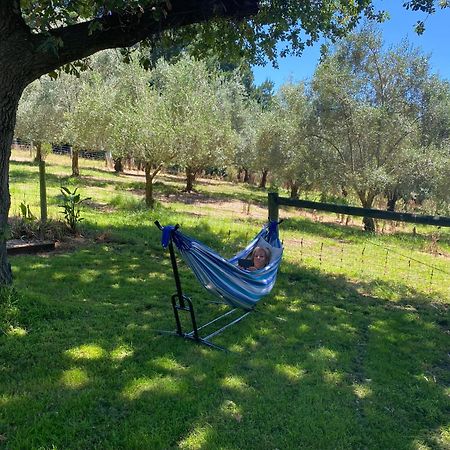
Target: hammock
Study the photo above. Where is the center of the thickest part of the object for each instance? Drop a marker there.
(237, 287)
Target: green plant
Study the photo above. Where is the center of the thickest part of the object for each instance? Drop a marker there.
(26, 213)
(71, 207)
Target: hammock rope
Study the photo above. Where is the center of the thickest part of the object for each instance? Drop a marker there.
(237, 287)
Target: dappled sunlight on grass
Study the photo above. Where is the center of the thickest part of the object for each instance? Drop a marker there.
(39, 265)
(343, 327)
(133, 280)
(362, 390)
(158, 275)
(198, 438)
(158, 384)
(168, 364)
(122, 352)
(303, 328)
(290, 372)
(88, 276)
(75, 378)
(86, 351)
(248, 342)
(231, 410)
(59, 276)
(235, 383)
(4, 399)
(324, 355)
(333, 377)
(16, 331)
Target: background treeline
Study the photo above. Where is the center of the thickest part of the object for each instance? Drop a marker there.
(371, 127)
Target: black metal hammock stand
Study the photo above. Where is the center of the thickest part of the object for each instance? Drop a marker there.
(239, 289)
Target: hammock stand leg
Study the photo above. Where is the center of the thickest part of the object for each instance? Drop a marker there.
(180, 302)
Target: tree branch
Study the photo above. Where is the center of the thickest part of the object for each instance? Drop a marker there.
(124, 30)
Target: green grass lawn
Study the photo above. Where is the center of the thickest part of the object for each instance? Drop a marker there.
(350, 350)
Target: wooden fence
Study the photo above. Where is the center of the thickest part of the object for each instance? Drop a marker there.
(274, 202)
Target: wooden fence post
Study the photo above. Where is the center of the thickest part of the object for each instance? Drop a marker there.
(272, 201)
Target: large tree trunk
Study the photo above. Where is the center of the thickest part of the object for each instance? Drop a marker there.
(246, 175)
(10, 92)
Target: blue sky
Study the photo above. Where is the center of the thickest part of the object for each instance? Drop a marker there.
(401, 25)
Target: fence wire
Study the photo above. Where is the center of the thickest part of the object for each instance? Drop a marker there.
(376, 262)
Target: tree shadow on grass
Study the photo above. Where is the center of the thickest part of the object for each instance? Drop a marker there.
(322, 363)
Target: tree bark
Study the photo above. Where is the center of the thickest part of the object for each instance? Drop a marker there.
(392, 198)
(149, 177)
(149, 201)
(38, 156)
(190, 178)
(246, 175)
(294, 189)
(10, 91)
(263, 182)
(75, 166)
(118, 166)
(367, 199)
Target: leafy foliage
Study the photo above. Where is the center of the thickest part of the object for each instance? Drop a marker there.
(26, 213)
(200, 127)
(72, 207)
(369, 105)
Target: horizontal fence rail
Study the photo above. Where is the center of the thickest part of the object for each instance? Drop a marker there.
(275, 201)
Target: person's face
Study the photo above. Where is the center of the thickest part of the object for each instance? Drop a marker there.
(259, 258)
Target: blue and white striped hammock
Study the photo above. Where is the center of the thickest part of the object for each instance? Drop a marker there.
(239, 288)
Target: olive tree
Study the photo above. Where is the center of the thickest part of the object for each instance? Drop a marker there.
(200, 123)
(87, 121)
(270, 142)
(368, 107)
(299, 160)
(141, 125)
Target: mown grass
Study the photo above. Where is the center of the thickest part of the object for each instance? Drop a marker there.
(350, 351)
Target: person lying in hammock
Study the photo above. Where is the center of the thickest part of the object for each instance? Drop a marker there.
(260, 257)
